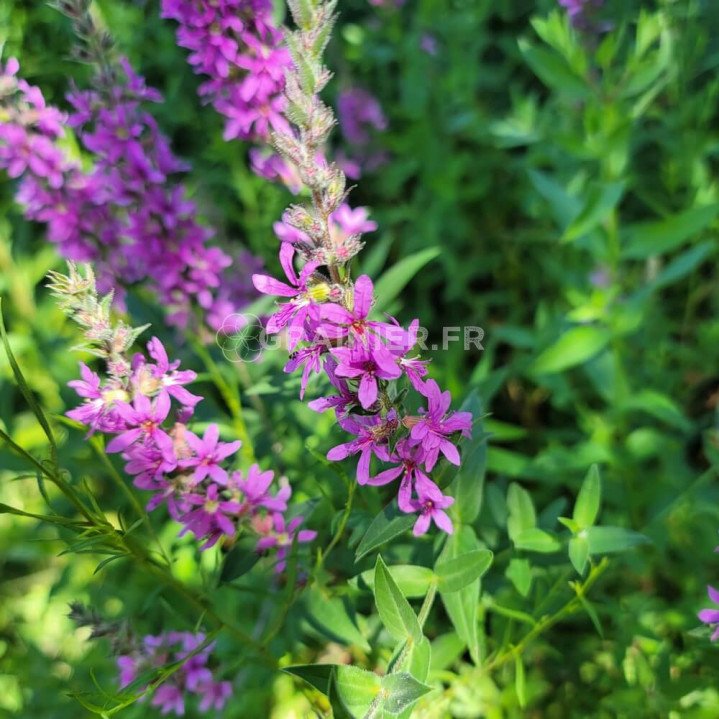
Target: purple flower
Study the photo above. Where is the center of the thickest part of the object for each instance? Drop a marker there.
(143, 421)
(212, 517)
(294, 314)
(711, 616)
(434, 425)
(280, 535)
(431, 505)
(310, 358)
(163, 376)
(98, 412)
(208, 452)
(254, 486)
(358, 112)
(366, 364)
(341, 402)
(339, 322)
(234, 44)
(372, 437)
(192, 677)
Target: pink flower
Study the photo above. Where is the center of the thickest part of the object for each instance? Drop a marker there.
(434, 425)
(212, 518)
(208, 453)
(143, 421)
(366, 364)
(373, 433)
(301, 309)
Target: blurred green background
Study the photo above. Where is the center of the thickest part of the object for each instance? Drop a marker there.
(569, 183)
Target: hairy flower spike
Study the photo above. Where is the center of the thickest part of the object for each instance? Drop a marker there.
(327, 316)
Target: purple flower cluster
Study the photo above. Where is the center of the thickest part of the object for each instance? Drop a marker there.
(360, 115)
(711, 616)
(186, 472)
(193, 677)
(126, 215)
(235, 45)
(329, 329)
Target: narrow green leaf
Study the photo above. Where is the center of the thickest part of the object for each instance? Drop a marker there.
(519, 572)
(600, 203)
(576, 346)
(468, 486)
(396, 278)
(412, 580)
(403, 690)
(455, 574)
(655, 238)
(356, 688)
(536, 540)
(521, 511)
(461, 606)
(239, 560)
(317, 675)
(331, 616)
(395, 612)
(607, 540)
(389, 523)
(579, 553)
(420, 659)
(23, 386)
(588, 501)
(552, 69)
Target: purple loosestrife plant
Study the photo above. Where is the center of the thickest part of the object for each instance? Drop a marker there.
(144, 406)
(327, 314)
(127, 214)
(235, 46)
(194, 676)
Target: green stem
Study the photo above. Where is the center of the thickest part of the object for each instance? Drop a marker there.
(229, 396)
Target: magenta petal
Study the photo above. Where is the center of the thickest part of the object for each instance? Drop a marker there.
(442, 520)
(270, 286)
(713, 594)
(367, 391)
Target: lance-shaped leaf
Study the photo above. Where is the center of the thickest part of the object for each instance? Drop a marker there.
(455, 574)
(395, 611)
(389, 523)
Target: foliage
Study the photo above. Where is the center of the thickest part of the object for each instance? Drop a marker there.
(551, 184)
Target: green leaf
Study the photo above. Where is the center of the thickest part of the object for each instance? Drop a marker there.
(521, 511)
(412, 580)
(239, 560)
(576, 346)
(395, 612)
(462, 606)
(536, 540)
(389, 523)
(552, 69)
(331, 616)
(394, 280)
(607, 540)
(654, 238)
(356, 688)
(468, 486)
(455, 574)
(564, 206)
(23, 386)
(520, 684)
(317, 675)
(588, 501)
(420, 659)
(601, 202)
(519, 572)
(579, 553)
(403, 690)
